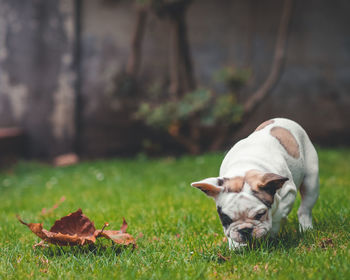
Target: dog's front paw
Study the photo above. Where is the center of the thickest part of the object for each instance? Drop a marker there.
(305, 222)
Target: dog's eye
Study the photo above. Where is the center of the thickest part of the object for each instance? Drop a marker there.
(225, 220)
(259, 216)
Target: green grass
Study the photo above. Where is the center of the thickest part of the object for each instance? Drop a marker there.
(181, 234)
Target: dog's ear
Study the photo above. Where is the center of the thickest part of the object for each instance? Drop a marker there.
(271, 182)
(210, 186)
(265, 185)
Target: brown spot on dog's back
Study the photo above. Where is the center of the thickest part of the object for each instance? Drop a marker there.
(264, 124)
(287, 140)
(234, 184)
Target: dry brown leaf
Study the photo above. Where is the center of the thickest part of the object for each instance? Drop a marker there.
(118, 236)
(73, 229)
(41, 244)
(77, 229)
(66, 160)
(326, 242)
(221, 257)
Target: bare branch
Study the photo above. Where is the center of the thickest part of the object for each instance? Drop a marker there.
(278, 60)
(181, 69)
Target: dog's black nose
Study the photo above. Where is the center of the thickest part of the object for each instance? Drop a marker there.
(245, 231)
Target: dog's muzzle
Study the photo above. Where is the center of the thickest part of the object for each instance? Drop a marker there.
(245, 233)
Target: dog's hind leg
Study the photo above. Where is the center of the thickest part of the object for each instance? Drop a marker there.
(309, 189)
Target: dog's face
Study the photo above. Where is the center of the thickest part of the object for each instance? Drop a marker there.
(244, 203)
(243, 216)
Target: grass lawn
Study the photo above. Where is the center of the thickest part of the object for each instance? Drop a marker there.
(178, 232)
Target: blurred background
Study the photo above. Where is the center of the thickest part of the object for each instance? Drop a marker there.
(100, 78)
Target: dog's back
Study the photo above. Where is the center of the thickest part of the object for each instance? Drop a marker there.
(278, 145)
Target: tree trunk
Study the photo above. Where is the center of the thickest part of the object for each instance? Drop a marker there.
(181, 70)
(182, 79)
(134, 60)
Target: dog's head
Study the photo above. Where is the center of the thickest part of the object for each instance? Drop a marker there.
(243, 203)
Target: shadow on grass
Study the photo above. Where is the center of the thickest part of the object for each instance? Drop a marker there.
(99, 249)
(288, 238)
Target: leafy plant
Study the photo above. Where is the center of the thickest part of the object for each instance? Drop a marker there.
(194, 117)
(187, 117)
(234, 78)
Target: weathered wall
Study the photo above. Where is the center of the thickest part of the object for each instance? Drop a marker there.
(105, 38)
(36, 77)
(315, 86)
(36, 81)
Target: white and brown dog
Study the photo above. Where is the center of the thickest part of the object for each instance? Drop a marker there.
(259, 179)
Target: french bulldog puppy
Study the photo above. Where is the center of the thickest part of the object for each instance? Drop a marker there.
(259, 179)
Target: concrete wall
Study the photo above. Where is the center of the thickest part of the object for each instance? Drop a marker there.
(315, 87)
(37, 73)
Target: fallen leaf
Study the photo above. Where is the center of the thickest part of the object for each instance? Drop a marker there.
(77, 229)
(74, 223)
(124, 226)
(44, 261)
(73, 229)
(118, 236)
(41, 244)
(155, 238)
(221, 257)
(66, 160)
(266, 267)
(326, 242)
